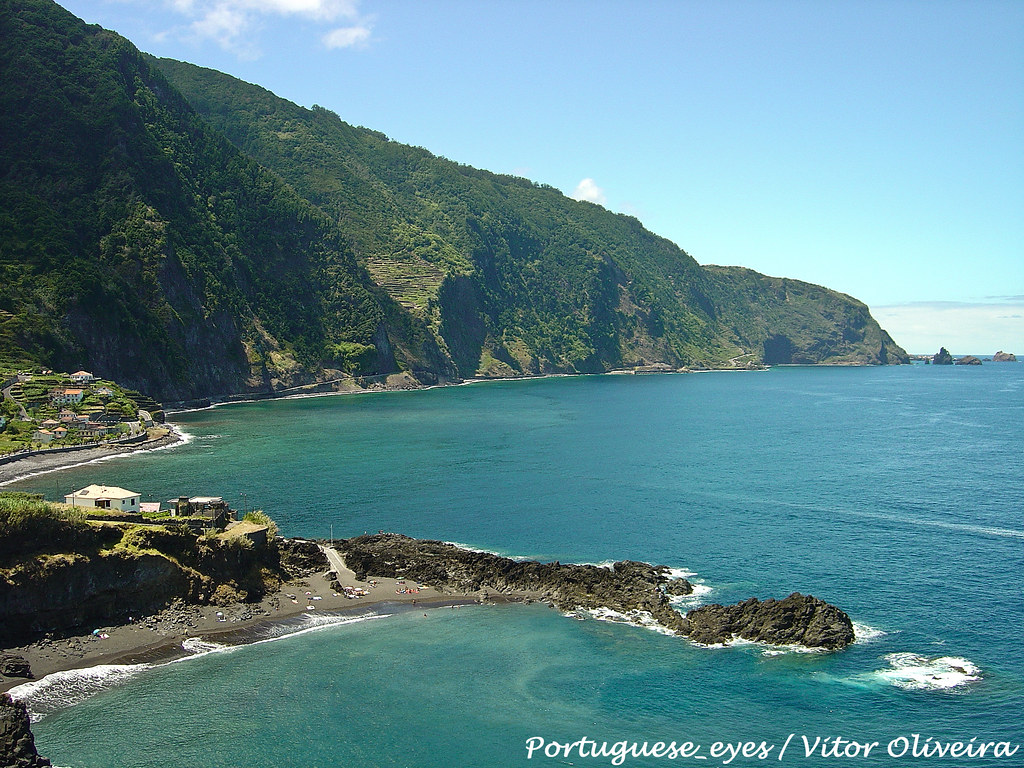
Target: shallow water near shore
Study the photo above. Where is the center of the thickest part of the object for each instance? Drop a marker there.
(892, 492)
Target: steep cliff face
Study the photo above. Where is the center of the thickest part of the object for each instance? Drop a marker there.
(17, 744)
(533, 282)
(149, 569)
(190, 235)
(140, 244)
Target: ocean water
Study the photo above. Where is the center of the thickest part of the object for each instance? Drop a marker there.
(894, 493)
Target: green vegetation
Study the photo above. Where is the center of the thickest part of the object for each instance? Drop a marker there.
(513, 276)
(188, 234)
(137, 241)
(29, 406)
(259, 517)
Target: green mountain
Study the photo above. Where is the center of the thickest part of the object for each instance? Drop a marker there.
(137, 241)
(189, 234)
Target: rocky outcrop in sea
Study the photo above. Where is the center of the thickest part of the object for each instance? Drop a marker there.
(796, 620)
(1004, 357)
(627, 587)
(17, 745)
(968, 360)
(942, 357)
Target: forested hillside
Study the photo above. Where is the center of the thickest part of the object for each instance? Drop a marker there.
(137, 241)
(518, 277)
(190, 235)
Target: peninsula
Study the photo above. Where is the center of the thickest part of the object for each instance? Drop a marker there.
(78, 590)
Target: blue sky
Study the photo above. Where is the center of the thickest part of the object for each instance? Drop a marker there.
(875, 147)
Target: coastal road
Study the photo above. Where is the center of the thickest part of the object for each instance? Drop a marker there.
(7, 396)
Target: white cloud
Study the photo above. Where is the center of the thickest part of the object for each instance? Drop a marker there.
(235, 24)
(346, 37)
(588, 190)
(961, 327)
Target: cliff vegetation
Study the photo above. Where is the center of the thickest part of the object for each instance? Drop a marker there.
(189, 235)
(61, 571)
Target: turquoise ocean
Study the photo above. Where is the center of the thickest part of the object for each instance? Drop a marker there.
(894, 493)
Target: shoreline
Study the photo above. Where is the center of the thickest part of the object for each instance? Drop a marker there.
(159, 638)
(30, 466)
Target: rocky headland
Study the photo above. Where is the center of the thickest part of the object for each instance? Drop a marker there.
(627, 587)
(17, 745)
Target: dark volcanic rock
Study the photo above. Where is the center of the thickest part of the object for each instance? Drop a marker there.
(12, 665)
(300, 557)
(1004, 357)
(942, 357)
(798, 619)
(968, 360)
(626, 587)
(17, 745)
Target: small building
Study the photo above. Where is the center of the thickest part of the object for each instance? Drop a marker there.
(92, 429)
(42, 436)
(82, 377)
(211, 508)
(149, 507)
(50, 424)
(60, 433)
(66, 396)
(66, 416)
(104, 392)
(104, 497)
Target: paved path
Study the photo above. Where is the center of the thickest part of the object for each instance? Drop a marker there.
(7, 394)
(337, 564)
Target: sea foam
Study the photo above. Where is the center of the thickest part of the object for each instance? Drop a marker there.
(65, 689)
(913, 672)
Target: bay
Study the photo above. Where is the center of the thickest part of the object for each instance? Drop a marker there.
(892, 492)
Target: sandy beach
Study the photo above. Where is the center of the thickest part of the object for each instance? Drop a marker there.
(159, 437)
(158, 638)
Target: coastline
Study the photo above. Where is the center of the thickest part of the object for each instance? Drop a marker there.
(158, 638)
(163, 437)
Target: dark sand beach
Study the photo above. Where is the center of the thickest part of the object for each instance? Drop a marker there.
(159, 638)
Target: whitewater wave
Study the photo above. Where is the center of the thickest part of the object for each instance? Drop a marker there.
(862, 633)
(913, 672)
(65, 689)
(638, 618)
(517, 558)
(680, 573)
(694, 599)
(61, 690)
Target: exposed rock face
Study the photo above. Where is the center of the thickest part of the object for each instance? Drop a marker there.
(301, 558)
(1004, 357)
(12, 665)
(796, 620)
(968, 360)
(942, 357)
(627, 587)
(68, 592)
(17, 745)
